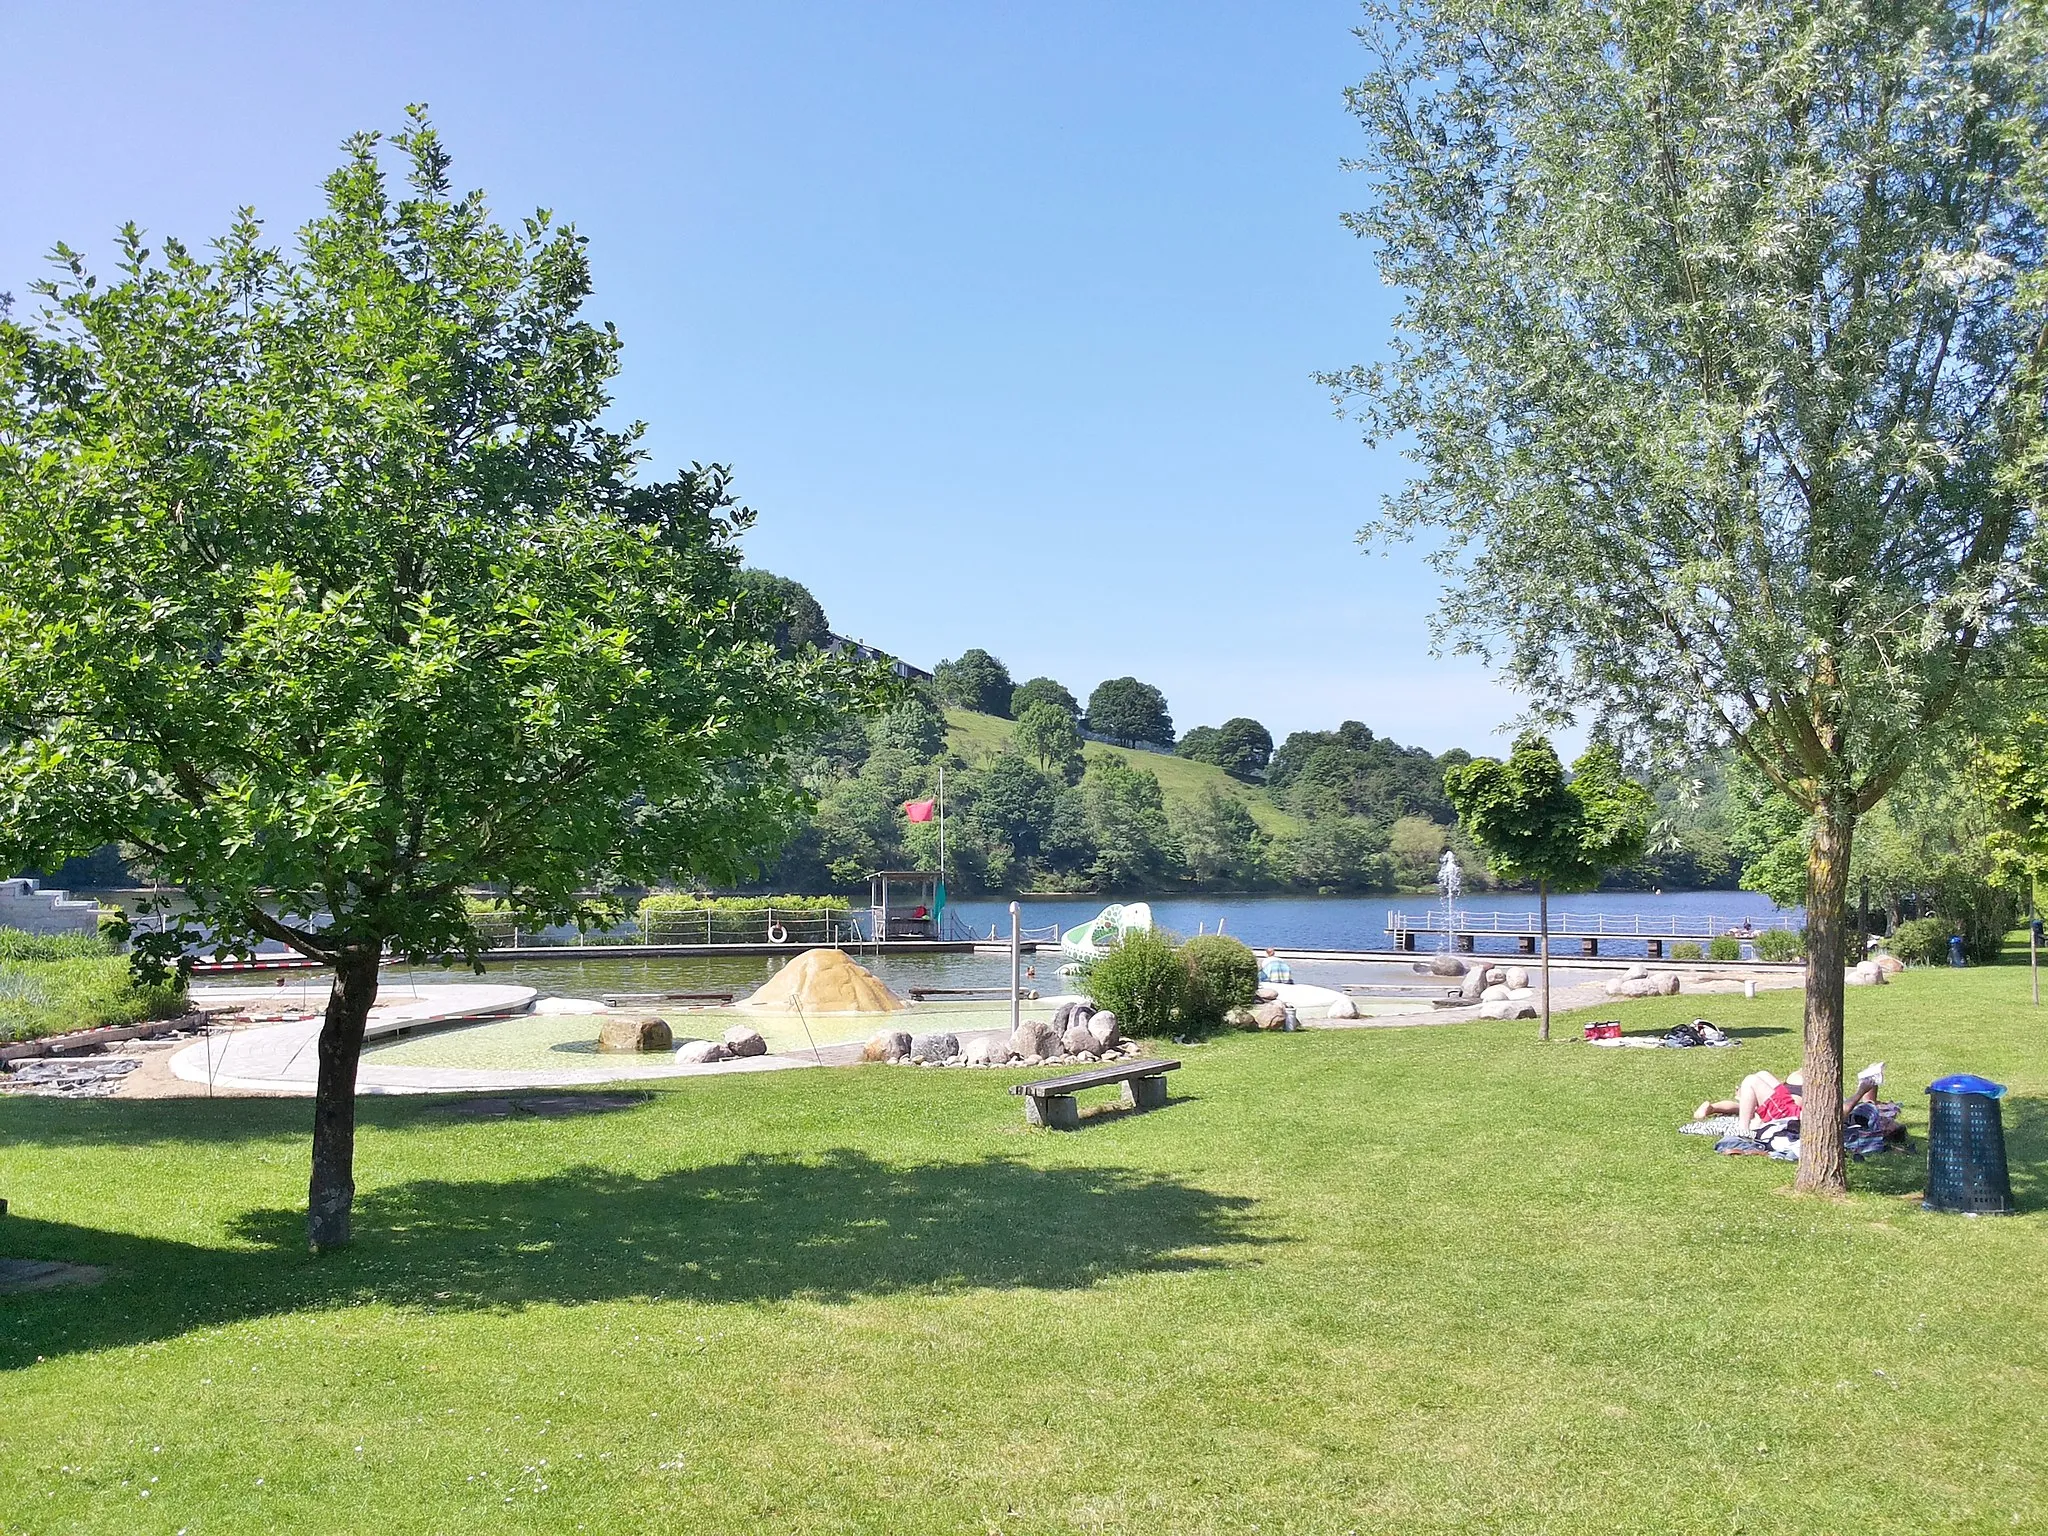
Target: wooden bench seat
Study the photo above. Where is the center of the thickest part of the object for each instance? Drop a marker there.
(1050, 1101)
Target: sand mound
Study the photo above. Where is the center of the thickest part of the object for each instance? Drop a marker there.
(824, 981)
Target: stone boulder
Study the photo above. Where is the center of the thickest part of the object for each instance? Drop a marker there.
(1241, 1018)
(699, 1053)
(1078, 1038)
(938, 1046)
(1520, 994)
(1034, 1037)
(634, 1034)
(1635, 973)
(1663, 984)
(1476, 982)
(1889, 963)
(1868, 974)
(1504, 1009)
(741, 1040)
(1343, 1008)
(1515, 976)
(1108, 1033)
(887, 1045)
(1497, 993)
(986, 1051)
(1270, 1015)
(1444, 963)
(1267, 992)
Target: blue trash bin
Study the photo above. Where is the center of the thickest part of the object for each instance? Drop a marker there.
(1966, 1171)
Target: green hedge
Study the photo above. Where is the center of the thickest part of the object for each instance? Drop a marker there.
(1142, 981)
(1922, 941)
(687, 919)
(1222, 974)
(53, 997)
(17, 945)
(1687, 949)
(1724, 947)
(1780, 944)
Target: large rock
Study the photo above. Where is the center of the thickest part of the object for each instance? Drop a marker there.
(1270, 1015)
(741, 1040)
(1889, 963)
(1444, 963)
(1343, 1008)
(938, 1046)
(1667, 983)
(699, 1053)
(1505, 1009)
(1242, 1018)
(1635, 973)
(1034, 1037)
(1515, 976)
(986, 1051)
(1078, 1038)
(634, 1034)
(1476, 982)
(1496, 993)
(887, 1045)
(1105, 1028)
(824, 981)
(1663, 984)
(1868, 974)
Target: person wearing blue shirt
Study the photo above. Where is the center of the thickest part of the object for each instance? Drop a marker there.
(1275, 970)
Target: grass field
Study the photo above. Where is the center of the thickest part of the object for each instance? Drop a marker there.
(1181, 780)
(50, 985)
(1426, 1280)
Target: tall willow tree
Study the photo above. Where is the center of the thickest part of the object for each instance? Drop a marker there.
(323, 583)
(1721, 337)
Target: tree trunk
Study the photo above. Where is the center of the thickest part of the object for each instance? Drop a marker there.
(1543, 944)
(331, 1193)
(1822, 1168)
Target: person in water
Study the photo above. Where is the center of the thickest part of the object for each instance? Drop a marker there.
(1761, 1098)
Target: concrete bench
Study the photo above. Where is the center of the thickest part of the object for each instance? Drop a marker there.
(1050, 1101)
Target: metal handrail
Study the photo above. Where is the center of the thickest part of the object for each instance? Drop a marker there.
(1588, 924)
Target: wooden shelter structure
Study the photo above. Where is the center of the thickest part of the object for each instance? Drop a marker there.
(903, 904)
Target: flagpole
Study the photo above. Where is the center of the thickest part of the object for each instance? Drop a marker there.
(942, 841)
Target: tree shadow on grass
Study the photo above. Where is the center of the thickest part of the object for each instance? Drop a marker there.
(761, 1228)
(1904, 1172)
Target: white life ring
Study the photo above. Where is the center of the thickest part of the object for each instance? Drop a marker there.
(777, 934)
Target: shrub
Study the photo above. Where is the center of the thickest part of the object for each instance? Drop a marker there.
(1687, 950)
(682, 918)
(1922, 941)
(52, 997)
(1222, 974)
(1141, 981)
(1724, 947)
(1780, 944)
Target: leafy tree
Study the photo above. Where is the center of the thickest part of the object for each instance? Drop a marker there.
(1241, 747)
(1335, 853)
(324, 584)
(792, 618)
(1134, 844)
(1011, 801)
(976, 681)
(1043, 690)
(1048, 733)
(1220, 843)
(1416, 845)
(1126, 710)
(1723, 331)
(1535, 824)
(2015, 770)
(912, 727)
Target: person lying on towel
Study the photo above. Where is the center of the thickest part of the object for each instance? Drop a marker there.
(1761, 1098)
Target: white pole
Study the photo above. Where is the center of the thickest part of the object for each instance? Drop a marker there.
(1016, 962)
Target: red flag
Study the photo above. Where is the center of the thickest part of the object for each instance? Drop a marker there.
(919, 810)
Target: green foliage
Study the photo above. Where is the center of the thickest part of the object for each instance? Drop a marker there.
(52, 996)
(1129, 711)
(1011, 804)
(1142, 981)
(15, 944)
(1921, 941)
(913, 727)
(1416, 845)
(1043, 690)
(1351, 772)
(1126, 818)
(1781, 945)
(1535, 824)
(681, 917)
(1723, 947)
(1241, 747)
(786, 612)
(1687, 949)
(975, 680)
(1222, 974)
(1047, 732)
(330, 590)
(1220, 844)
(1335, 853)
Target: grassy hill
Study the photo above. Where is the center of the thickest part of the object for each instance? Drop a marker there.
(1180, 780)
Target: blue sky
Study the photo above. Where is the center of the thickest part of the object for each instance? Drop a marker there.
(1005, 315)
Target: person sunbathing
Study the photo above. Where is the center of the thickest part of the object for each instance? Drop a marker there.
(1761, 1098)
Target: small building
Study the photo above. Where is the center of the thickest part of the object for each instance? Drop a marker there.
(903, 904)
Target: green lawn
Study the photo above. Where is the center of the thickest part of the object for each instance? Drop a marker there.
(1180, 779)
(1440, 1279)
